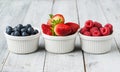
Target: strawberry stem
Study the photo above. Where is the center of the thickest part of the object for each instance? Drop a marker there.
(51, 15)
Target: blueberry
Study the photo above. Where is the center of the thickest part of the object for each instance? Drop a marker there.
(25, 34)
(30, 30)
(28, 25)
(16, 33)
(23, 30)
(20, 26)
(9, 30)
(35, 32)
(16, 29)
(12, 33)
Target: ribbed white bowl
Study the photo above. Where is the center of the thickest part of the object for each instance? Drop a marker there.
(59, 44)
(96, 45)
(22, 45)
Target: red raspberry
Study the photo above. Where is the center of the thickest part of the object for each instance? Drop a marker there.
(105, 31)
(83, 30)
(96, 33)
(110, 27)
(97, 24)
(94, 29)
(89, 24)
(87, 33)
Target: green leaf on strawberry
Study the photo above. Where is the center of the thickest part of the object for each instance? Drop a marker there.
(51, 16)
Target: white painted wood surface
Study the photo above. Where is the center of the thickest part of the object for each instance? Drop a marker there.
(35, 12)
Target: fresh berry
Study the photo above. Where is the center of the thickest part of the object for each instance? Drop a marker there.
(20, 26)
(110, 26)
(94, 29)
(87, 33)
(46, 29)
(23, 30)
(97, 24)
(9, 30)
(89, 24)
(83, 30)
(105, 31)
(12, 33)
(74, 26)
(58, 17)
(34, 32)
(49, 22)
(16, 33)
(62, 30)
(25, 34)
(55, 19)
(96, 33)
(30, 30)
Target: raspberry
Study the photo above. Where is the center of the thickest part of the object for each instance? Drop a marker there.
(89, 24)
(110, 26)
(87, 33)
(105, 31)
(83, 30)
(96, 33)
(94, 29)
(97, 24)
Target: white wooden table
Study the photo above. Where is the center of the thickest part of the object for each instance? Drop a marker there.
(35, 12)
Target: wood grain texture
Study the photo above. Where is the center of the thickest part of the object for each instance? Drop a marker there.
(96, 63)
(112, 13)
(71, 62)
(35, 12)
(32, 13)
(9, 12)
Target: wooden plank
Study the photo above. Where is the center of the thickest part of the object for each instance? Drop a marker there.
(96, 63)
(71, 62)
(37, 13)
(7, 15)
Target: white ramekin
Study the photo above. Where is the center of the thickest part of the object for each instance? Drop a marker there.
(59, 44)
(96, 45)
(22, 45)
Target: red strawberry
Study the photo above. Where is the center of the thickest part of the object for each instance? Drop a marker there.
(58, 17)
(62, 30)
(49, 22)
(105, 31)
(97, 24)
(83, 30)
(87, 33)
(89, 24)
(46, 29)
(55, 19)
(94, 29)
(110, 26)
(74, 26)
(96, 33)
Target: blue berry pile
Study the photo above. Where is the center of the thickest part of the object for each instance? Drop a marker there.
(21, 30)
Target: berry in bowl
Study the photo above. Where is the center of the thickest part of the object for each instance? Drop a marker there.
(59, 36)
(22, 39)
(96, 38)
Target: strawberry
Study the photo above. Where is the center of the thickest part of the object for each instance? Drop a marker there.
(87, 33)
(97, 24)
(58, 17)
(46, 29)
(96, 33)
(83, 30)
(74, 26)
(49, 22)
(105, 31)
(89, 24)
(93, 29)
(110, 27)
(62, 29)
